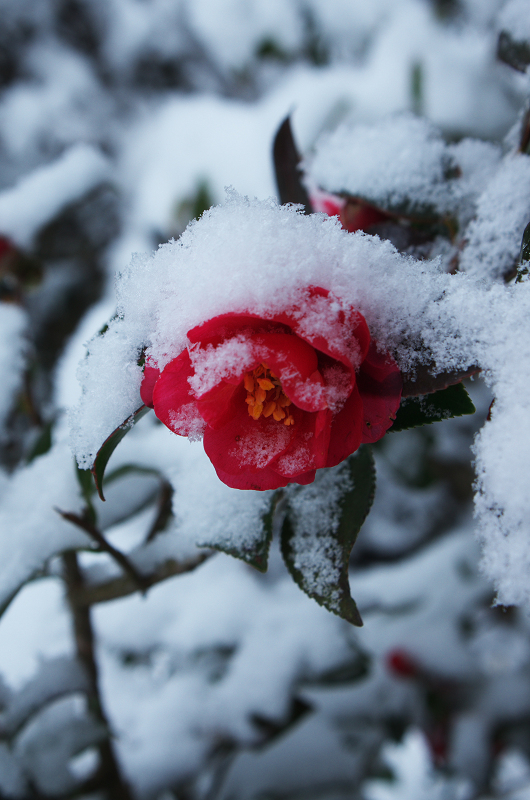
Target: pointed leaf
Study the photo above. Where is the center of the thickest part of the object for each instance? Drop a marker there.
(288, 175)
(109, 446)
(254, 551)
(445, 404)
(321, 527)
(524, 256)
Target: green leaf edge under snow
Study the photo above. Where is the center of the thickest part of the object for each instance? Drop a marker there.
(454, 401)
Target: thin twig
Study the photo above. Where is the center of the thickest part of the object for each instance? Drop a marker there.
(141, 582)
(164, 511)
(107, 776)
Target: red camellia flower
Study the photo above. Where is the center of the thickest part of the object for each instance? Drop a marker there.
(278, 397)
(354, 214)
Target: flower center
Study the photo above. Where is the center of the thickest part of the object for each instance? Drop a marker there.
(265, 395)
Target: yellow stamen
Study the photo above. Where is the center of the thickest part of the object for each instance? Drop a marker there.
(269, 408)
(256, 410)
(265, 395)
(260, 394)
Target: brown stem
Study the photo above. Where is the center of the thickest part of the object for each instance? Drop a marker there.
(164, 511)
(89, 594)
(108, 775)
(140, 580)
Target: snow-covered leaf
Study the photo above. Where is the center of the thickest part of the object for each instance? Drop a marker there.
(256, 551)
(320, 529)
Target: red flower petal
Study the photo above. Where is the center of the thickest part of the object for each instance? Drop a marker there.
(246, 445)
(380, 384)
(261, 481)
(346, 430)
(309, 449)
(217, 406)
(172, 401)
(227, 325)
(291, 359)
(151, 375)
(322, 355)
(361, 216)
(296, 365)
(345, 337)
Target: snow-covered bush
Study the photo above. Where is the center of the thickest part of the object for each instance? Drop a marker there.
(264, 288)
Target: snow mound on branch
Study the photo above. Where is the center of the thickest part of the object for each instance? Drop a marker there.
(402, 163)
(503, 211)
(502, 448)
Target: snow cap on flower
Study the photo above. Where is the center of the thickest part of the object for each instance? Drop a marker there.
(249, 256)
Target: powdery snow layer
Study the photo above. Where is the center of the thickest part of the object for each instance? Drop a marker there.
(222, 607)
(255, 256)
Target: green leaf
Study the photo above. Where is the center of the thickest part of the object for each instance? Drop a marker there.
(286, 167)
(445, 404)
(255, 549)
(514, 52)
(43, 442)
(321, 527)
(110, 444)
